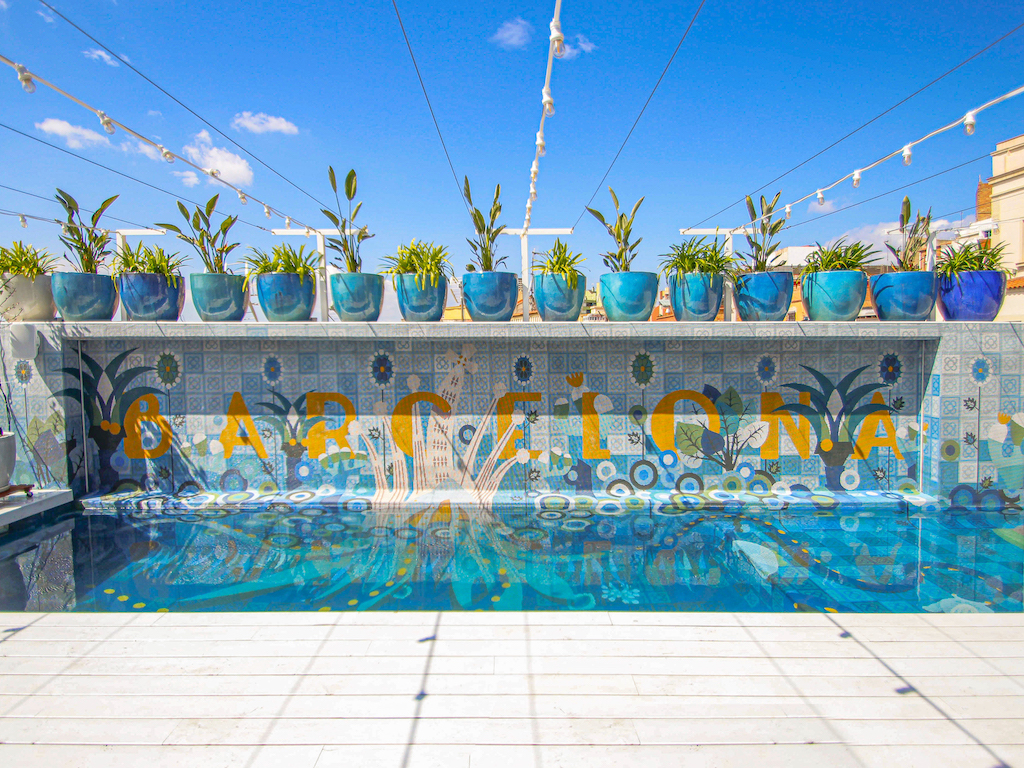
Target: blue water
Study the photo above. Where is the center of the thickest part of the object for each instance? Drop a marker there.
(309, 558)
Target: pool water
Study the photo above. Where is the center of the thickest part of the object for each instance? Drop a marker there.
(350, 557)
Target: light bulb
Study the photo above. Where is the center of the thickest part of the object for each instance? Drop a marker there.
(242, 198)
(789, 211)
(906, 155)
(287, 222)
(557, 38)
(106, 122)
(266, 210)
(24, 223)
(213, 172)
(821, 198)
(856, 178)
(308, 232)
(540, 144)
(25, 78)
(548, 101)
(165, 153)
(969, 123)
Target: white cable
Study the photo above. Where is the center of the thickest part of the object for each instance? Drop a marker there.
(28, 80)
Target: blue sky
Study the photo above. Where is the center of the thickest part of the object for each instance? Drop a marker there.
(753, 91)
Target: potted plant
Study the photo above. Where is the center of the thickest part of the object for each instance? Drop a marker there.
(419, 273)
(560, 287)
(285, 282)
(85, 294)
(764, 292)
(490, 296)
(8, 455)
(149, 282)
(627, 296)
(218, 295)
(833, 282)
(972, 281)
(356, 295)
(25, 291)
(908, 292)
(696, 272)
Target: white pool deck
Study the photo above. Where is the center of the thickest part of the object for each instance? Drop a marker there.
(523, 690)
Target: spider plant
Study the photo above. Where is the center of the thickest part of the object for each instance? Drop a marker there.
(420, 259)
(913, 239)
(211, 243)
(89, 245)
(561, 261)
(621, 259)
(25, 261)
(698, 255)
(970, 257)
(839, 256)
(282, 259)
(762, 254)
(485, 247)
(144, 259)
(347, 243)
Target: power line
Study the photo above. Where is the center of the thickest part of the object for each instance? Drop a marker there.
(84, 210)
(431, 108)
(124, 175)
(184, 106)
(642, 110)
(865, 125)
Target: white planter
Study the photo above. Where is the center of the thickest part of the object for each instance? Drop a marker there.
(25, 300)
(8, 453)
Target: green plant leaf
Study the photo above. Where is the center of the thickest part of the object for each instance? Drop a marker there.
(334, 180)
(350, 185)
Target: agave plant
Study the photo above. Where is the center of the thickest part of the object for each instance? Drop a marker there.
(913, 239)
(88, 244)
(426, 261)
(210, 243)
(485, 247)
(561, 261)
(762, 255)
(25, 261)
(839, 256)
(282, 259)
(970, 257)
(621, 259)
(350, 238)
(698, 255)
(149, 259)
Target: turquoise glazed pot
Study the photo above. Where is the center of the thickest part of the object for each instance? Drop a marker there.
(556, 301)
(285, 298)
(84, 297)
(490, 297)
(696, 296)
(764, 296)
(629, 297)
(147, 296)
(836, 296)
(903, 295)
(357, 296)
(421, 305)
(219, 298)
(975, 295)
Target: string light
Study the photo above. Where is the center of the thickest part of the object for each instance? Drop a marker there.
(969, 122)
(907, 154)
(821, 198)
(287, 222)
(106, 122)
(165, 153)
(856, 178)
(24, 223)
(557, 39)
(25, 79)
(266, 210)
(242, 198)
(789, 211)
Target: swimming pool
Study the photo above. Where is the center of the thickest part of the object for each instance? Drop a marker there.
(348, 556)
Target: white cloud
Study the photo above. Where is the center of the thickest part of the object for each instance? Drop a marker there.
(585, 45)
(154, 113)
(261, 122)
(876, 235)
(3, 5)
(815, 207)
(233, 168)
(123, 56)
(571, 52)
(75, 136)
(141, 148)
(46, 17)
(98, 54)
(188, 178)
(512, 34)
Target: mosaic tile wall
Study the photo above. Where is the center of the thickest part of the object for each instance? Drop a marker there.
(848, 419)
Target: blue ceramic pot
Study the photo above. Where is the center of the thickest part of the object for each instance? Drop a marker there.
(904, 295)
(836, 296)
(357, 296)
(490, 297)
(696, 296)
(628, 297)
(219, 298)
(972, 295)
(82, 296)
(764, 296)
(556, 301)
(421, 305)
(148, 296)
(285, 298)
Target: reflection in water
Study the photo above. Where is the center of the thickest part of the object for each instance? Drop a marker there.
(291, 556)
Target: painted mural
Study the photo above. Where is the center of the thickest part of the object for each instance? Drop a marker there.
(715, 472)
